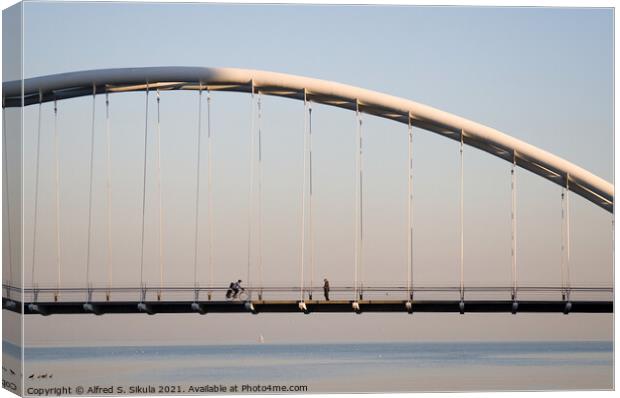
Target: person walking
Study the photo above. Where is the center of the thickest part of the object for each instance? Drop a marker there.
(326, 289)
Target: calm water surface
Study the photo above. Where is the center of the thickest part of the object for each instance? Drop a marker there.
(332, 367)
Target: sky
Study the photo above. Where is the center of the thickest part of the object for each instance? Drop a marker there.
(543, 75)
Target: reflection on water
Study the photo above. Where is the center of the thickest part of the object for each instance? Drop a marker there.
(335, 367)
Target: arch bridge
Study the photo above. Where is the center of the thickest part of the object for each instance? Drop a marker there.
(100, 299)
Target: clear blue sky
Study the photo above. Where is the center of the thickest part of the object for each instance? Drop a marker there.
(542, 75)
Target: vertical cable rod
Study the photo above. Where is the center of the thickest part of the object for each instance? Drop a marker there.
(251, 189)
(161, 211)
(513, 218)
(302, 251)
(361, 205)
(462, 282)
(357, 196)
(8, 208)
(36, 194)
(563, 243)
(311, 221)
(566, 239)
(260, 194)
(57, 192)
(197, 206)
(210, 214)
(146, 131)
(109, 194)
(410, 210)
(568, 282)
(90, 191)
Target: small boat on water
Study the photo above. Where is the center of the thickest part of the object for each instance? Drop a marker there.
(261, 339)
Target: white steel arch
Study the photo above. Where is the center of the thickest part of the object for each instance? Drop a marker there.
(536, 160)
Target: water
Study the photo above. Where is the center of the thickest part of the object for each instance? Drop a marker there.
(331, 367)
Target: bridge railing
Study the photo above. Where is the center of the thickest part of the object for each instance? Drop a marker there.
(337, 292)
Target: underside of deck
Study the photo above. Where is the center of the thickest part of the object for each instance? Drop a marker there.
(291, 306)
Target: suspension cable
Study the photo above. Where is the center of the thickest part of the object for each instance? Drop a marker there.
(361, 205)
(357, 196)
(36, 193)
(161, 211)
(251, 190)
(197, 191)
(562, 242)
(410, 210)
(302, 252)
(210, 189)
(565, 247)
(57, 189)
(109, 193)
(462, 283)
(513, 218)
(8, 208)
(90, 190)
(311, 221)
(260, 195)
(146, 131)
(568, 283)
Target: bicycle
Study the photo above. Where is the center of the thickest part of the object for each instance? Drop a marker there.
(241, 295)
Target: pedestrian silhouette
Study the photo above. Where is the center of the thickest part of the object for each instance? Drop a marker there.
(326, 289)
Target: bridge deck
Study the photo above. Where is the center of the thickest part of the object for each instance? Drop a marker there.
(290, 306)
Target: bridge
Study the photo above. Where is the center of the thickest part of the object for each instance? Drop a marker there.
(97, 297)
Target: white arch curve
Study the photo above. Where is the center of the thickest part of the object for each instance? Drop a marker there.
(536, 160)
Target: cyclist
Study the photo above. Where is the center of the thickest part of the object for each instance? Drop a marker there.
(234, 289)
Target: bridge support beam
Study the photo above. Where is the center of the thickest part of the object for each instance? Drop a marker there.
(89, 307)
(11, 305)
(249, 306)
(567, 307)
(144, 307)
(514, 308)
(199, 308)
(303, 308)
(292, 306)
(37, 309)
